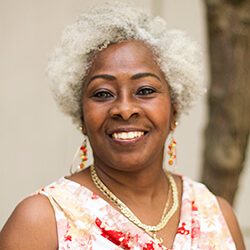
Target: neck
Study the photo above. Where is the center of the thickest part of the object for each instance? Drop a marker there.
(144, 184)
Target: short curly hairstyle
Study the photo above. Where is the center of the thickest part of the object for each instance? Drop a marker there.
(177, 56)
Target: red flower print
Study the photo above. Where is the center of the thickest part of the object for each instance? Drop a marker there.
(124, 240)
(118, 238)
(67, 237)
(194, 208)
(149, 246)
(182, 230)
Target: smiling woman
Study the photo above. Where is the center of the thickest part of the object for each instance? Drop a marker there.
(124, 79)
(133, 112)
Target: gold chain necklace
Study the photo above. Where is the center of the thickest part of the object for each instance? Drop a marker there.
(129, 214)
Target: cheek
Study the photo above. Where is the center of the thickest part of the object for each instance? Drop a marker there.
(160, 112)
(163, 117)
(93, 115)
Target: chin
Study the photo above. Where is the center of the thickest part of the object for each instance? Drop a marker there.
(129, 164)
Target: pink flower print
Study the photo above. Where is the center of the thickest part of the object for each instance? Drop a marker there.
(94, 196)
(195, 233)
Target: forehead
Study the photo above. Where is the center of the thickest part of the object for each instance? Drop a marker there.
(126, 55)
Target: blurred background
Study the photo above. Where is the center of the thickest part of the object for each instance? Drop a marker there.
(37, 142)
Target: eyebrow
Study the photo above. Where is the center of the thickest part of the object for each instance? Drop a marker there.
(134, 77)
(102, 76)
(145, 74)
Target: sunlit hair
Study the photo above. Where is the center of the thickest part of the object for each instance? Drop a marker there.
(177, 56)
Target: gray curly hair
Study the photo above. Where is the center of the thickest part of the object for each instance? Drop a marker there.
(177, 56)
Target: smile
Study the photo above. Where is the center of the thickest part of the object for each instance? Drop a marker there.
(127, 135)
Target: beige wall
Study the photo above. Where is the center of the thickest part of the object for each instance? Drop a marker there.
(37, 142)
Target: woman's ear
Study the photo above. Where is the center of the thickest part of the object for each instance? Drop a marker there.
(83, 129)
(173, 119)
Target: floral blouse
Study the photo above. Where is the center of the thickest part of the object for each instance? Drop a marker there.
(86, 221)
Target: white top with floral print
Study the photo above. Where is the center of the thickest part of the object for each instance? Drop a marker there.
(86, 221)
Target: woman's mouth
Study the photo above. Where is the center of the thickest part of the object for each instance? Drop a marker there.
(127, 135)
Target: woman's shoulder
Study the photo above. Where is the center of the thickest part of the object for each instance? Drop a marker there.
(32, 225)
(232, 222)
(198, 193)
(214, 206)
(34, 222)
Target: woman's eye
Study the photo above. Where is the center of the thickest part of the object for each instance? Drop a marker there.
(145, 91)
(102, 94)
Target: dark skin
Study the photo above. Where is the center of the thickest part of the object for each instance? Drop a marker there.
(125, 90)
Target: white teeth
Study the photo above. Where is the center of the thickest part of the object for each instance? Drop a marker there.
(127, 135)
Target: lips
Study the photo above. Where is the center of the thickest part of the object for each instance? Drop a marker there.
(127, 135)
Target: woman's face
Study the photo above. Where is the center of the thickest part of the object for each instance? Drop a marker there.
(126, 107)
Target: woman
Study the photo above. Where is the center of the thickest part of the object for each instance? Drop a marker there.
(124, 79)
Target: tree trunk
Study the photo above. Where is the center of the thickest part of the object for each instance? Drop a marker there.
(227, 131)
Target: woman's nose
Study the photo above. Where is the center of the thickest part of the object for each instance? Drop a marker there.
(125, 108)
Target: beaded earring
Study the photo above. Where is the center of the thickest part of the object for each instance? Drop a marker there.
(172, 147)
(172, 152)
(83, 156)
